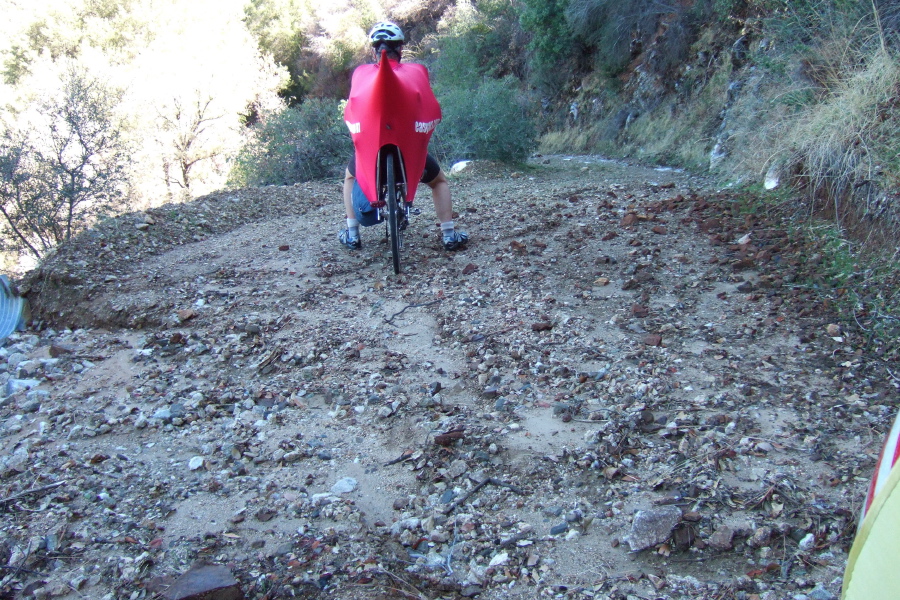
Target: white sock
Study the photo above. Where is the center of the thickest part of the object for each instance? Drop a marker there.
(352, 224)
(447, 227)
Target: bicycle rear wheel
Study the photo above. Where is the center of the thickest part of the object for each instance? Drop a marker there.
(393, 213)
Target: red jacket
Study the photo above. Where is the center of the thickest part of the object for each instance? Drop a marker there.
(391, 103)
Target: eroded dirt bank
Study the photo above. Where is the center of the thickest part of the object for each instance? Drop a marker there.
(621, 389)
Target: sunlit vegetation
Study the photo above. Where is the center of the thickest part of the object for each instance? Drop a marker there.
(175, 77)
(197, 96)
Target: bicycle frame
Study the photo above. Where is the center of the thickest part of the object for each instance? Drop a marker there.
(392, 153)
(392, 191)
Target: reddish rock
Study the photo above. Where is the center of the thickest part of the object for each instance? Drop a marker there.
(469, 269)
(710, 224)
(265, 514)
(629, 219)
(660, 230)
(57, 350)
(542, 326)
(639, 311)
(653, 340)
(721, 538)
(716, 420)
(205, 582)
(445, 439)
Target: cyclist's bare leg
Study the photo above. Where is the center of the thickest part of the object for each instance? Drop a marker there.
(440, 193)
(348, 194)
(349, 236)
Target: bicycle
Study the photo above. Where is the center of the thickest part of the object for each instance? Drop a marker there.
(391, 116)
(392, 191)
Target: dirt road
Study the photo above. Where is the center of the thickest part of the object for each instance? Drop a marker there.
(621, 389)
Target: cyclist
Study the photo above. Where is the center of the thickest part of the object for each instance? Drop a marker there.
(387, 37)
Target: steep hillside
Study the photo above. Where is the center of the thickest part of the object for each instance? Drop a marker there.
(799, 97)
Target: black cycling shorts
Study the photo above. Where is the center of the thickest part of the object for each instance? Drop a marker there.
(432, 168)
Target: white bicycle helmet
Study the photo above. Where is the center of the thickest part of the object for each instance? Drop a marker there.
(385, 31)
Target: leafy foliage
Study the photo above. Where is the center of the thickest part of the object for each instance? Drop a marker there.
(489, 121)
(295, 144)
(486, 113)
(551, 40)
(477, 42)
(188, 73)
(66, 170)
(275, 27)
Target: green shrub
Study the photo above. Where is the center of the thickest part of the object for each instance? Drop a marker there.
(491, 121)
(64, 171)
(477, 42)
(477, 64)
(551, 41)
(296, 144)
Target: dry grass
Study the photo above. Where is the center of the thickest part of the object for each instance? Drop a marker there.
(845, 146)
(567, 141)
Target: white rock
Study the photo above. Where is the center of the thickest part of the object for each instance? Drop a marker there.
(344, 485)
(808, 541)
(772, 179)
(459, 167)
(500, 559)
(411, 523)
(195, 463)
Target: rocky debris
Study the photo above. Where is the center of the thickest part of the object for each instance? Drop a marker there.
(205, 582)
(721, 538)
(345, 485)
(325, 429)
(653, 526)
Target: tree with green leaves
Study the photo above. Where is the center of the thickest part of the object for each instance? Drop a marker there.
(551, 38)
(65, 168)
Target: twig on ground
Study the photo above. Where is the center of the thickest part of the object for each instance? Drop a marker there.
(411, 595)
(419, 305)
(43, 488)
(696, 560)
(21, 570)
(483, 336)
(407, 454)
(448, 567)
(490, 480)
(514, 539)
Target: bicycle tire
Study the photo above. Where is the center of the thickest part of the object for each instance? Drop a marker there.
(393, 213)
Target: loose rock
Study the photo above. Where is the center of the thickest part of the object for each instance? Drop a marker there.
(652, 527)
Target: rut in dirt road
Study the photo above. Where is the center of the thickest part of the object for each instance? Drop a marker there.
(620, 389)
